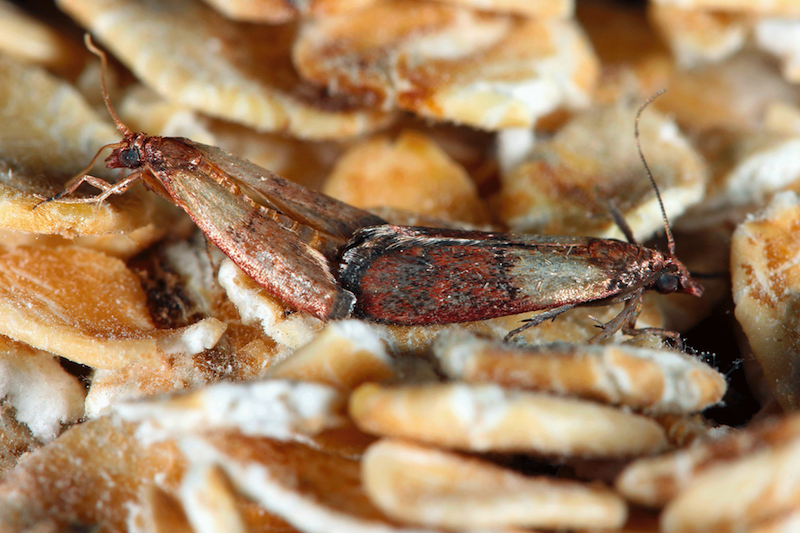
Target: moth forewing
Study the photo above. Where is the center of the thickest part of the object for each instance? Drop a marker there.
(276, 259)
(405, 275)
(323, 213)
(287, 260)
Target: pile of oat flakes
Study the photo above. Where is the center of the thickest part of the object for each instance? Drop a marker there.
(147, 384)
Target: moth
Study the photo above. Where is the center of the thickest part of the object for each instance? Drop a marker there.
(283, 235)
(416, 275)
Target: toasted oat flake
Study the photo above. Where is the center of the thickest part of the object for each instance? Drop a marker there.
(189, 53)
(763, 7)
(423, 485)
(566, 184)
(275, 408)
(40, 151)
(256, 306)
(530, 8)
(657, 381)
(344, 355)
(74, 302)
(700, 36)
(90, 475)
(765, 254)
(440, 61)
(655, 481)
(277, 11)
(732, 496)
(411, 173)
(42, 394)
(314, 491)
(489, 418)
(209, 502)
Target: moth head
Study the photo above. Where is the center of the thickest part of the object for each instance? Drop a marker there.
(128, 153)
(676, 278)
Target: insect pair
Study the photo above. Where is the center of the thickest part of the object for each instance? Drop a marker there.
(333, 260)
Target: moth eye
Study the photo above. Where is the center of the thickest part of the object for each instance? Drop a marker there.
(667, 283)
(129, 158)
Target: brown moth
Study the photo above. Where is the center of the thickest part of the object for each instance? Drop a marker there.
(283, 235)
(415, 275)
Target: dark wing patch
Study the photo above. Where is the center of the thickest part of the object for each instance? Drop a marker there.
(406, 275)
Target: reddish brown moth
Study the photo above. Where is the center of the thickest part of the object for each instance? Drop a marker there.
(281, 234)
(414, 275)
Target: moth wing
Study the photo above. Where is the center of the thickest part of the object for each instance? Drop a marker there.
(309, 207)
(421, 276)
(272, 255)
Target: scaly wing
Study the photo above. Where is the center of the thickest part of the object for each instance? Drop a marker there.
(309, 207)
(282, 256)
(406, 275)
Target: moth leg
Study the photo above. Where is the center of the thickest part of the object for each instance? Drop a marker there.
(107, 188)
(538, 319)
(625, 320)
(666, 335)
(629, 328)
(78, 179)
(71, 186)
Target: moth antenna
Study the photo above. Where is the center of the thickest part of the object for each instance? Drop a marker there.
(123, 129)
(670, 239)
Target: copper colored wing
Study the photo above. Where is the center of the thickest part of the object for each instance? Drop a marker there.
(405, 275)
(309, 207)
(276, 257)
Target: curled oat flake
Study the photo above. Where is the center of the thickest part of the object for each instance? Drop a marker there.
(656, 381)
(485, 418)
